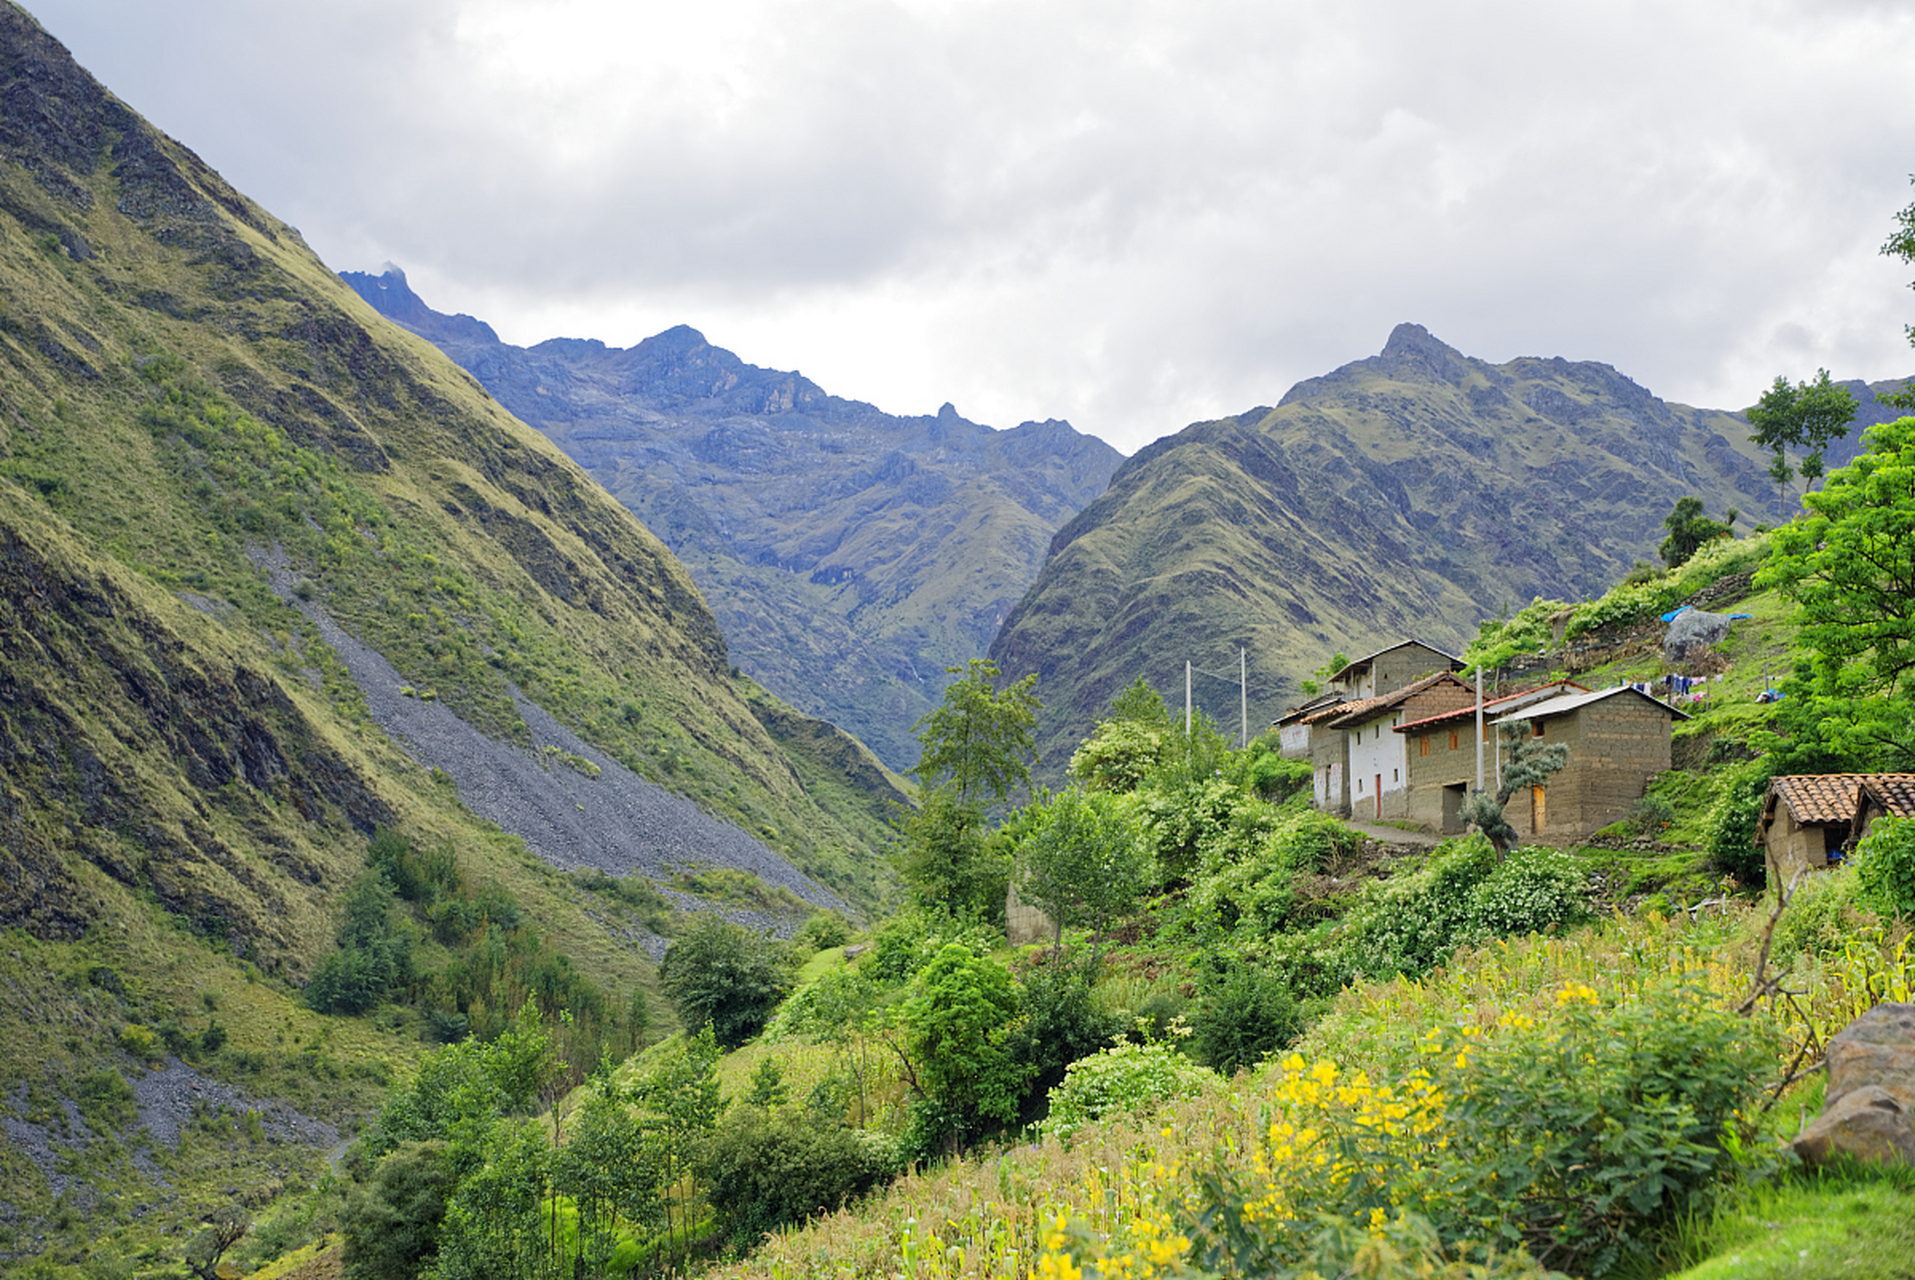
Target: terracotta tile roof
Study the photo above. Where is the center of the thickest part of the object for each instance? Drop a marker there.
(1496, 706)
(1354, 712)
(1894, 792)
(1815, 799)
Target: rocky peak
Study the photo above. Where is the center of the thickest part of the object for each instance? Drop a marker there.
(1414, 354)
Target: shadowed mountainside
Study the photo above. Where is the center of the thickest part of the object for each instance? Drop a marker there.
(850, 555)
(1410, 494)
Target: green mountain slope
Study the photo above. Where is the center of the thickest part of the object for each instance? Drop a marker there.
(213, 457)
(1413, 493)
(850, 555)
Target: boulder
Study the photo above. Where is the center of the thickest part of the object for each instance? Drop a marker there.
(1871, 1094)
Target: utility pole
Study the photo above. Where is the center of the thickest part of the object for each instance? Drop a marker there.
(1186, 697)
(1479, 727)
(1243, 691)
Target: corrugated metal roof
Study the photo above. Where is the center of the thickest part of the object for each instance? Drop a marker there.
(1493, 706)
(1577, 701)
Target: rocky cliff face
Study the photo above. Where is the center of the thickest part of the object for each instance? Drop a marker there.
(1410, 494)
(851, 556)
(189, 396)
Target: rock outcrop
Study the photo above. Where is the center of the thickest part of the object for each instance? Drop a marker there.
(1871, 1093)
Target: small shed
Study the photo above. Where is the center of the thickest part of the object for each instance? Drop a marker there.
(1806, 822)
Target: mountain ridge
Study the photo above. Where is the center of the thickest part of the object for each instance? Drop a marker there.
(851, 555)
(1407, 494)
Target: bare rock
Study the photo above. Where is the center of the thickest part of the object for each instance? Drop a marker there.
(1871, 1093)
(1867, 1124)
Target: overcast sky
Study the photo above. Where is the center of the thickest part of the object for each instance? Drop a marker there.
(1134, 214)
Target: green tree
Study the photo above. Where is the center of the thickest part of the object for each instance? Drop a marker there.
(1850, 569)
(1527, 763)
(682, 1098)
(1127, 744)
(1689, 529)
(724, 975)
(948, 859)
(956, 1026)
(981, 740)
(1085, 863)
(1806, 415)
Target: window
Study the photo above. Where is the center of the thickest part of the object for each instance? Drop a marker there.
(1453, 739)
(1394, 777)
(1423, 746)
(1535, 728)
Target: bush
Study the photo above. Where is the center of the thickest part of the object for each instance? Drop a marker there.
(391, 1227)
(1248, 1014)
(1729, 828)
(1062, 1022)
(1579, 1140)
(1536, 890)
(823, 931)
(725, 975)
(1885, 866)
(1824, 913)
(762, 1171)
(1123, 1080)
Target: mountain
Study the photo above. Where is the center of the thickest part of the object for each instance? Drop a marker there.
(275, 576)
(1411, 494)
(850, 556)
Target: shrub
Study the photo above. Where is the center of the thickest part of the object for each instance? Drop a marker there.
(1536, 890)
(1885, 866)
(106, 1100)
(1824, 913)
(823, 931)
(1579, 1139)
(725, 975)
(1062, 1022)
(391, 1226)
(1123, 1080)
(140, 1041)
(762, 1171)
(1248, 1014)
(1729, 828)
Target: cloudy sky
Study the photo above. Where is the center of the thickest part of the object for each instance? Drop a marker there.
(1134, 214)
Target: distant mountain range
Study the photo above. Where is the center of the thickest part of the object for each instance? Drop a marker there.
(1411, 494)
(850, 555)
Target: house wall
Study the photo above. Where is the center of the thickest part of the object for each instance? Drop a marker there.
(1293, 741)
(1615, 747)
(1376, 759)
(1793, 848)
(1442, 766)
(1330, 769)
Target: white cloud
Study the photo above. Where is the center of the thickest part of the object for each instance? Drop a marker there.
(1131, 213)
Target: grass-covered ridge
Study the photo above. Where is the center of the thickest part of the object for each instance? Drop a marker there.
(189, 399)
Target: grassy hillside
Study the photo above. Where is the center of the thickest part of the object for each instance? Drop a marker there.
(211, 450)
(1411, 494)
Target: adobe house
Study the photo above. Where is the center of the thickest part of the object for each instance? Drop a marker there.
(1313, 734)
(1293, 735)
(1618, 740)
(1390, 669)
(1378, 763)
(1440, 754)
(1807, 819)
(1881, 794)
